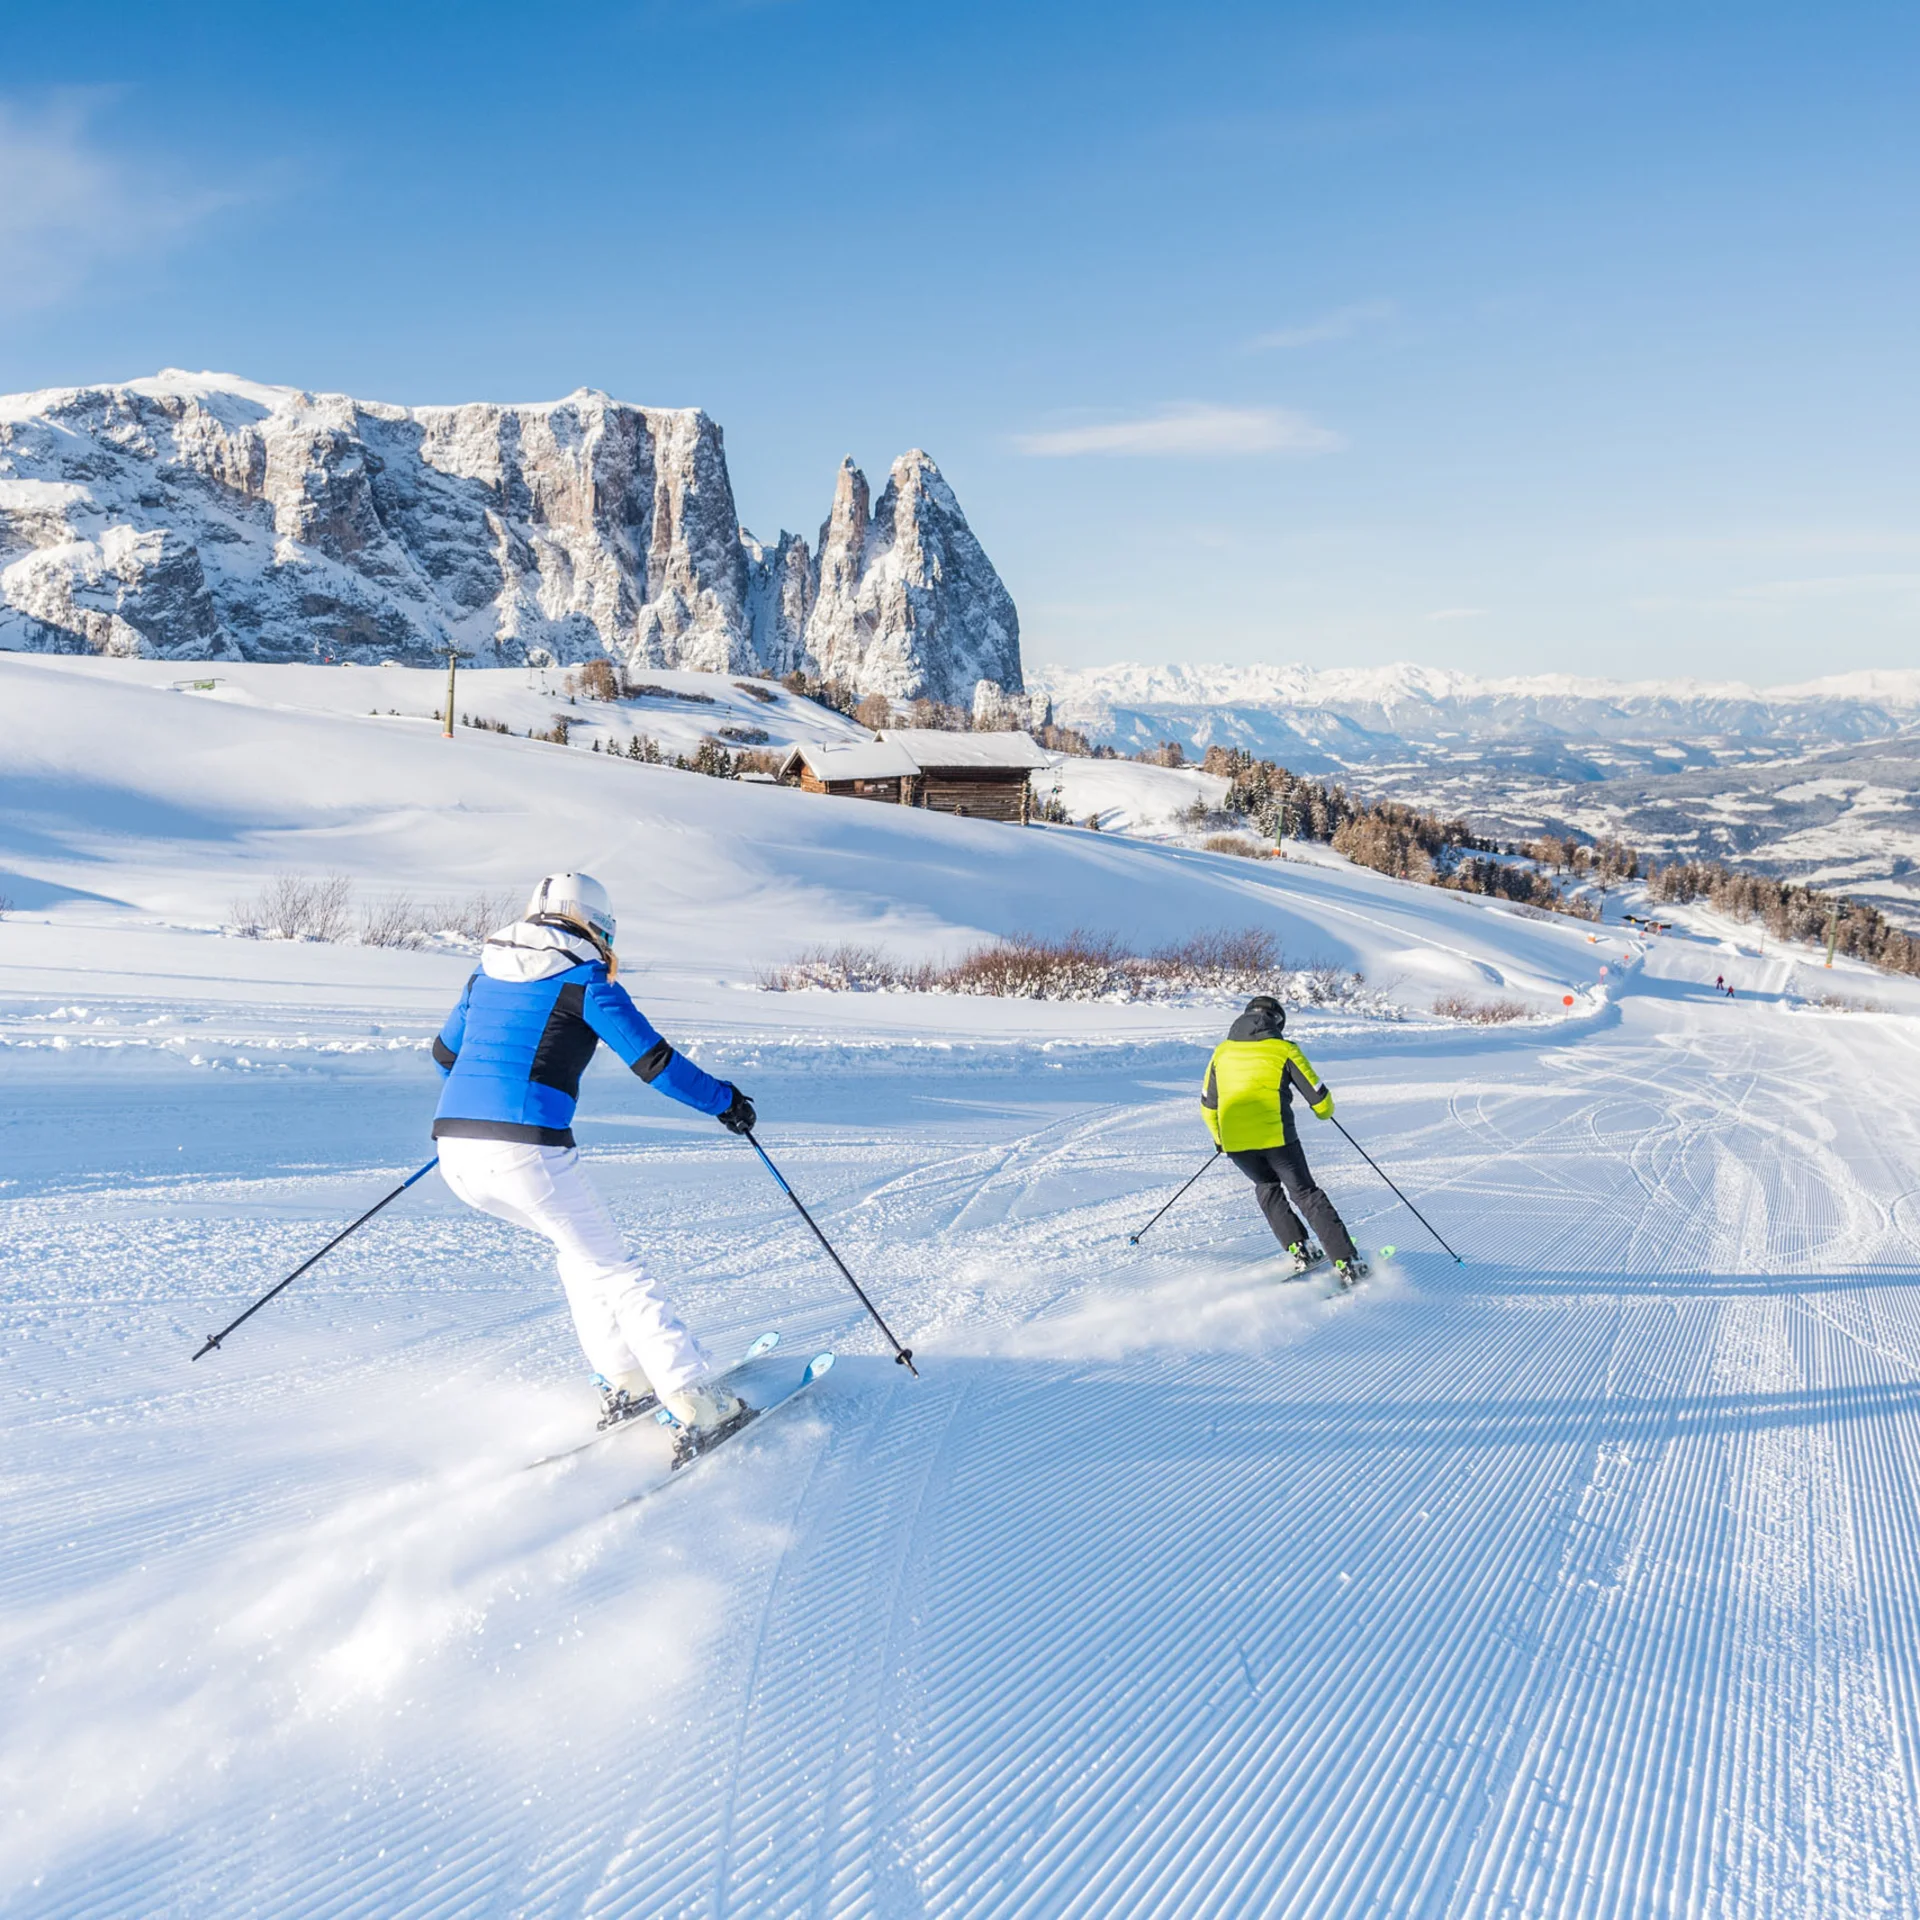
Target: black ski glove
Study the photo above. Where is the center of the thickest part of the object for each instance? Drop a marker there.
(739, 1116)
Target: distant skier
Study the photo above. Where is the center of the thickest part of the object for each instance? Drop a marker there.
(542, 999)
(1719, 983)
(1247, 1103)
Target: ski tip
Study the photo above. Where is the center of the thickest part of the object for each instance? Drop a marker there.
(819, 1364)
(765, 1344)
(1386, 1253)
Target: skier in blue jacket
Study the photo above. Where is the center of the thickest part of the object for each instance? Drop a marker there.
(542, 999)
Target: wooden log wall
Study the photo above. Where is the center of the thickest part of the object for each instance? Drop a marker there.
(990, 794)
(888, 789)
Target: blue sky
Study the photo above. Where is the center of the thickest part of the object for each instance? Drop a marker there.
(1508, 338)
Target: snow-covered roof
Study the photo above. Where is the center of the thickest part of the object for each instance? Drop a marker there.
(829, 760)
(932, 748)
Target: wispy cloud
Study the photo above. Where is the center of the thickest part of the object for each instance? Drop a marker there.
(1193, 431)
(1341, 324)
(69, 206)
(1456, 613)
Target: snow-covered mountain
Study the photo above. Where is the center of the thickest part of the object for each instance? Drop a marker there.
(201, 516)
(1346, 716)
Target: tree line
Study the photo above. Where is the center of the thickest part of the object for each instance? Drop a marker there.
(1411, 843)
(1791, 911)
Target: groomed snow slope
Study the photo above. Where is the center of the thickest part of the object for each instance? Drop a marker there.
(1581, 1579)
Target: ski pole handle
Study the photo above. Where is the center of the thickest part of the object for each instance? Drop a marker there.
(214, 1339)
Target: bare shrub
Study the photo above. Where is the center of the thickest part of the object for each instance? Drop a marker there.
(1322, 984)
(1237, 843)
(1479, 1013)
(874, 712)
(844, 969)
(1082, 966)
(1235, 956)
(405, 921)
(755, 760)
(556, 734)
(1088, 966)
(765, 695)
(743, 736)
(6, 905)
(476, 916)
(297, 906)
(393, 922)
(597, 679)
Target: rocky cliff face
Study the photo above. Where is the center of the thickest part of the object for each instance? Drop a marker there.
(198, 517)
(908, 602)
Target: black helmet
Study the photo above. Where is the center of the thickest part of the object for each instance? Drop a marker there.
(1269, 1009)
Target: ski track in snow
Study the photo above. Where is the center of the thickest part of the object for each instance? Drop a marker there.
(1577, 1580)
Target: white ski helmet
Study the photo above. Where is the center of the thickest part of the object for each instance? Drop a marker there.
(577, 898)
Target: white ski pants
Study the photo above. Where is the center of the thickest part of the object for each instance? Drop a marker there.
(623, 1319)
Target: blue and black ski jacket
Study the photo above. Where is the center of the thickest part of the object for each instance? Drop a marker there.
(513, 1050)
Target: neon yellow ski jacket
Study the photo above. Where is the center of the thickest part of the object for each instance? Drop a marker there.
(1246, 1100)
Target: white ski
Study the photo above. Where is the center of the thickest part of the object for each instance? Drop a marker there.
(685, 1455)
(636, 1416)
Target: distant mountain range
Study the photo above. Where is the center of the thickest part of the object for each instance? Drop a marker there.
(202, 516)
(1332, 719)
(1818, 781)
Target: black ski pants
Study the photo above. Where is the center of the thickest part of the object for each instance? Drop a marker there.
(1282, 1182)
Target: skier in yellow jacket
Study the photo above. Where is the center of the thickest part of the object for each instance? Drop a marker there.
(1247, 1103)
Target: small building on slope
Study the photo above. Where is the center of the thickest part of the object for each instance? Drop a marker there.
(984, 776)
(981, 776)
(853, 769)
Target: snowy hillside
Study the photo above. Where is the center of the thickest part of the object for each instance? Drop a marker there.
(203, 517)
(674, 710)
(1573, 1580)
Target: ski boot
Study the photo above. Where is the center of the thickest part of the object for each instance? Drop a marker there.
(625, 1397)
(1304, 1259)
(1347, 1272)
(703, 1416)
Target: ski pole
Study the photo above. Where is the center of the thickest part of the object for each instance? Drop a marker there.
(1404, 1201)
(1134, 1239)
(214, 1339)
(902, 1354)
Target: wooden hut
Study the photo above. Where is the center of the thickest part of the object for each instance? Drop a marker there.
(853, 769)
(982, 775)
